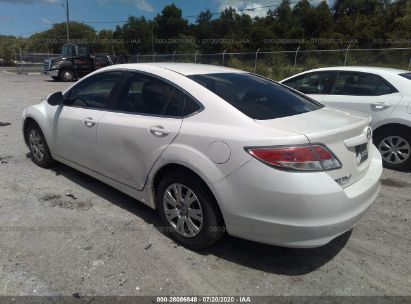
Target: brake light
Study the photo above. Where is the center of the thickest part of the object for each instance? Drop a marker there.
(300, 158)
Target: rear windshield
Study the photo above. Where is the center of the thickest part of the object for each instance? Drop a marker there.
(256, 97)
(406, 75)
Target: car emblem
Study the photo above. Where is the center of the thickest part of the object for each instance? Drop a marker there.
(368, 132)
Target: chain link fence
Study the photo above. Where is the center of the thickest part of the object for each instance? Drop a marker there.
(276, 65)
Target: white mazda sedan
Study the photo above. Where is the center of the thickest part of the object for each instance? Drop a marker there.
(213, 149)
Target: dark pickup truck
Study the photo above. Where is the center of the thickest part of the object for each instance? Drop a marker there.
(75, 61)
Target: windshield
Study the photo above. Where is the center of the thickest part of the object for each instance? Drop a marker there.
(256, 97)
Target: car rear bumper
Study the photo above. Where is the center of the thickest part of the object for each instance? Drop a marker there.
(52, 73)
(292, 209)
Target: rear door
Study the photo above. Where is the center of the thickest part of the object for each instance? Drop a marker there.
(147, 118)
(315, 84)
(76, 122)
(364, 92)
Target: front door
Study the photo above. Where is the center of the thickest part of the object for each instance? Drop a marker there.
(76, 122)
(83, 62)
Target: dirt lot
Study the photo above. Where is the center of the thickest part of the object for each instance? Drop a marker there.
(102, 242)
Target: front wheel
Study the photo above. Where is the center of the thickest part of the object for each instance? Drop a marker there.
(40, 153)
(67, 75)
(395, 148)
(188, 210)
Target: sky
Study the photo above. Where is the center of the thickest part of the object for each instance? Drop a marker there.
(26, 17)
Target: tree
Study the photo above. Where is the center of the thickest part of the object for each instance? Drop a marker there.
(170, 25)
(53, 39)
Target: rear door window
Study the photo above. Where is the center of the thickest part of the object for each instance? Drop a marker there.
(361, 84)
(143, 94)
(313, 83)
(256, 97)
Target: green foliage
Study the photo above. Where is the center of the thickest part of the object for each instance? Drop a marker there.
(52, 40)
(358, 23)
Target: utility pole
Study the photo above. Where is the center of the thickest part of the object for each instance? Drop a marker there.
(152, 37)
(68, 21)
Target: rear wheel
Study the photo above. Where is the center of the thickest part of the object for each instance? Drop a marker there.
(188, 210)
(395, 147)
(40, 152)
(67, 75)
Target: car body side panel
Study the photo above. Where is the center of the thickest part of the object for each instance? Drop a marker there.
(73, 139)
(379, 107)
(127, 147)
(191, 148)
(43, 114)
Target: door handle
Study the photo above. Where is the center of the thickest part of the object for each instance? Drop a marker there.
(159, 131)
(380, 105)
(89, 122)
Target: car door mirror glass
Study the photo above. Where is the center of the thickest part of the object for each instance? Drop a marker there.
(55, 99)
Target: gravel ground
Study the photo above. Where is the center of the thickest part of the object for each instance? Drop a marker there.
(99, 241)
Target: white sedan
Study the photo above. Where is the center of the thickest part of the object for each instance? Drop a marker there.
(213, 149)
(383, 93)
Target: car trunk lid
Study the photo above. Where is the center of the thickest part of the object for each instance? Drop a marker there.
(346, 134)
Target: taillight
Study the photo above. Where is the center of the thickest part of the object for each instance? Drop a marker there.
(300, 158)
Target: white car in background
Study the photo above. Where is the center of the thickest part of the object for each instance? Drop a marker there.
(213, 149)
(383, 93)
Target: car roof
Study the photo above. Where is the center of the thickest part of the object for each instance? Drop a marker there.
(181, 68)
(362, 69)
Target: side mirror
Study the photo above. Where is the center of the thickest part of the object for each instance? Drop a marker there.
(55, 99)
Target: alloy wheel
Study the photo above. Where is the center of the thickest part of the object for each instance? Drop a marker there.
(182, 210)
(36, 145)
(394, 149)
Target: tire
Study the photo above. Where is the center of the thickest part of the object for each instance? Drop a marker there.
(56, 78)
(67, 75)
(394, 145)
(40, 153)
(210, 227)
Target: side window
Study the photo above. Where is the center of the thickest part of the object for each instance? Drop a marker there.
(151, 96)
(190, 106)
(361, 84)
(384, 88)
(93, 92)
(313, 83)
(82, 51)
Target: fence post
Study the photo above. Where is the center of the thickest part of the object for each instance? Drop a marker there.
(409, 65)
(346, 54)
(172, 56)
(138, 54)
(255, 61)
(21, 62)
(295, 57)
(223, 56)
(154, 55)
(195, 57)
